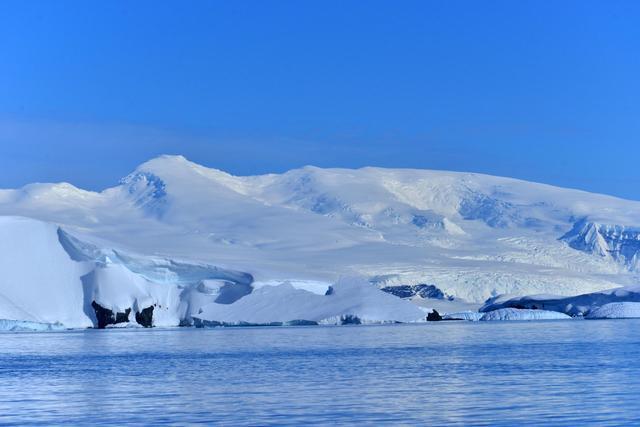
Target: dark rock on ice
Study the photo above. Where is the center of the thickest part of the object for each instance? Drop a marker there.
(107, 317)
(350, 319)
(434, 316)
(145, 317)
(422, 290)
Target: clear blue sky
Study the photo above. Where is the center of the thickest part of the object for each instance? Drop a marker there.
(541, 90)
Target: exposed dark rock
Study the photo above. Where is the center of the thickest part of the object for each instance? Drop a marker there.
(200, 323)
(428, 220)
(494, 212)
(350, 319)
(422, 290)
(145, 317)
(106, 317)
(123, 317)
(186, 323)
(434, 316)
(301, 322)
(622, 243)
(420, 221)
(329, 291)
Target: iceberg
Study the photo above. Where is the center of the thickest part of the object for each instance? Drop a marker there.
(522, 314)
(472, 316)
(350, 299)
(79, 284)
(616, 310)
(579, 305)
(9, 325)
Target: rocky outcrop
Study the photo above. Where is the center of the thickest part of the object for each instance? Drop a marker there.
(434, 316)
(145, 317)
(350, 319)
(106, 317)
(421, 290)
(616, 242)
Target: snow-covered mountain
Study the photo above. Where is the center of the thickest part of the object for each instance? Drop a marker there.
(186, 227)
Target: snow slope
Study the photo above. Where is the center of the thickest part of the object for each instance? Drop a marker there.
(172, 222)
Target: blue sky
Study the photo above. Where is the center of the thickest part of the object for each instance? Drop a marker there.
(539, 90)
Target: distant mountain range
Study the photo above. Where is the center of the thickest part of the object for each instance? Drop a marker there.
(473, 236)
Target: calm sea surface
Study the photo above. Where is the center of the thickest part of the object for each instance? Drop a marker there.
(510, 373)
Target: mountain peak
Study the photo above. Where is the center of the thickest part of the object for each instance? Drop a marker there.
(165, 161)
(171, 165)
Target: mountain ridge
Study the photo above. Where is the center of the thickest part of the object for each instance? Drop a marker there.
(178, 158)
(473, 235)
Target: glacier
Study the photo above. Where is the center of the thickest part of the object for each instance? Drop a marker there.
(183, 244)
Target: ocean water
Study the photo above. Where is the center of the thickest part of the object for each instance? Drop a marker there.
(448, 373)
